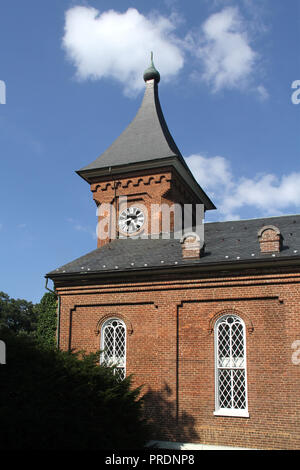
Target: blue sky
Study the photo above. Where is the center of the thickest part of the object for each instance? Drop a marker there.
(73, 75)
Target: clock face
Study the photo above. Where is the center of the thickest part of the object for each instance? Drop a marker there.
(131, 220)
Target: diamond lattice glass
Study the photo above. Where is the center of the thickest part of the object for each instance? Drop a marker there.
(114, 346)
(231, 374)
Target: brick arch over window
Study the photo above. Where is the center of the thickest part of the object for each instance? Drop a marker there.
(114, 314)
(230, 311)
(270, 239)
(268, 227)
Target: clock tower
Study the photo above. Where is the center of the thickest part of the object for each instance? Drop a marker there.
(142, 172)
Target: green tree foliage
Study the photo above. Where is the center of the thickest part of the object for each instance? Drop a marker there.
(18, 315)
(51, 399)
(47, 319)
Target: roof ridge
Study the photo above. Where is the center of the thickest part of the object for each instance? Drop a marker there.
(254, 218)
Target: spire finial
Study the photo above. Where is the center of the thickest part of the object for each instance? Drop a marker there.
(151, 72)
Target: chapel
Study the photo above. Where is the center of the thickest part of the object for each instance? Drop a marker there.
(205, 316)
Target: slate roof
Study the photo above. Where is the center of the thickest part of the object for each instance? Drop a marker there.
(225, 242)
(145, 143)
(146, 138)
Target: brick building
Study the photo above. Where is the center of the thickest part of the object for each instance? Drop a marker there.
(208, 324)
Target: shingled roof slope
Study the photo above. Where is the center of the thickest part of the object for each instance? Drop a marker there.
(145, 143)
(146, 138)
(225, 242)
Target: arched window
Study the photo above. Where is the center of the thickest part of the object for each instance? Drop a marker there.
(113, 346)
(230, 368)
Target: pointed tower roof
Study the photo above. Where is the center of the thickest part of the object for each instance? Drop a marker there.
(146, 143)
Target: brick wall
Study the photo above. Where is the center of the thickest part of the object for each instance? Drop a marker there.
(170, 350)
(149, 188)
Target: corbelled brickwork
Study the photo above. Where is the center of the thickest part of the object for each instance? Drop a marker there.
(148, 188)
(170, 351)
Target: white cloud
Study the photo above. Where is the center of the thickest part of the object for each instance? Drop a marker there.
(211, 172)
(225, 52)
(268, 194)
(117, 45)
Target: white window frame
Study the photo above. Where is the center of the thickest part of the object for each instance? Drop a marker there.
(112, 361)
(238, 412)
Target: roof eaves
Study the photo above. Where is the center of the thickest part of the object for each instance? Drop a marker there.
(90, 175)
(184, 268)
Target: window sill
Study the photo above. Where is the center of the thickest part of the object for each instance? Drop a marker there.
(232, 413)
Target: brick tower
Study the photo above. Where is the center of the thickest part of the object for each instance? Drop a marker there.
(141, 171)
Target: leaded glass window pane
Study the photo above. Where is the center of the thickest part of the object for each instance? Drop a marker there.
(113, 346)
(231, 389)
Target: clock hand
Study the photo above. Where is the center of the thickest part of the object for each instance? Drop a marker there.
(132, 217)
